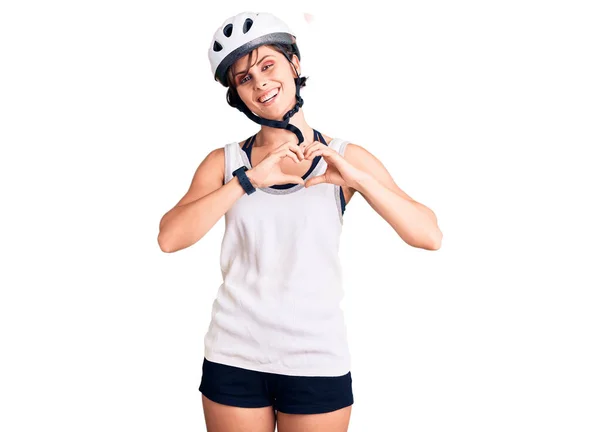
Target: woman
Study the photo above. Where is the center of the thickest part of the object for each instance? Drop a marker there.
(276, 348)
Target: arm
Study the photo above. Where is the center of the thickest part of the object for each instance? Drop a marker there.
(415, 223)
(201, 207)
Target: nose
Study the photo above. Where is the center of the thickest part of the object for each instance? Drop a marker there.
(261, 82)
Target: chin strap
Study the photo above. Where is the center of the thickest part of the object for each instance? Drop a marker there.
(282, 124)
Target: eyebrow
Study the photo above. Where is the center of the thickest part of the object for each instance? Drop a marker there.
(243, 72)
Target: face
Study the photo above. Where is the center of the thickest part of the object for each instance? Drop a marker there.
(271, 72)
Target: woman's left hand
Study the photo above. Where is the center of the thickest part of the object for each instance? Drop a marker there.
(339, 171)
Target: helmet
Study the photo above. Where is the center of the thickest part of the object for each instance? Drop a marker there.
(238, 36)
(241, 34)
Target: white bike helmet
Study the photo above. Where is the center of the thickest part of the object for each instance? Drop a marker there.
(238, 36)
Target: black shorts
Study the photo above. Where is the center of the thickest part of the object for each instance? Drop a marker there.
(230, 385)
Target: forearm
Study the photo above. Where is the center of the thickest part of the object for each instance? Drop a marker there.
(413, 222)
(184, 225)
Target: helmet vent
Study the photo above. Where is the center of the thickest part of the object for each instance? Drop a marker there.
(247, 24)
(217, 46)
(228, 29)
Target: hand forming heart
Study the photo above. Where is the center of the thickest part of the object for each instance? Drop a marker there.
(339, 170)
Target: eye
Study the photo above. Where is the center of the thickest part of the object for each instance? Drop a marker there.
(244, 79)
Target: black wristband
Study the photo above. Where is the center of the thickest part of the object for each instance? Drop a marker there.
(240, 173)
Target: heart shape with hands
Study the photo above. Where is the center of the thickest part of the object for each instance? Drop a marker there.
(339, 171)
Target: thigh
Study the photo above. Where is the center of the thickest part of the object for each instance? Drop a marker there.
(227, 418)
(334, 421)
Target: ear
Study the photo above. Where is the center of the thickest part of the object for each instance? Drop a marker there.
(296, 64)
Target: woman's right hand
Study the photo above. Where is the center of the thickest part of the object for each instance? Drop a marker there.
(268, 171)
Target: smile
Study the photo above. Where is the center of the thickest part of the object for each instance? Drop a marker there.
(270, 97)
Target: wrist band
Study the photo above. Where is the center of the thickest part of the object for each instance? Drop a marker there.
(240, 173)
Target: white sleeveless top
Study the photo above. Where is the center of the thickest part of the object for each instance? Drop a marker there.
(278, 308)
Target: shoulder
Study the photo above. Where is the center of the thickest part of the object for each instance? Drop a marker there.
(216, 155)
(356, 154)
(360, 157)
(213, 162)
(207, 178)
(364, 160)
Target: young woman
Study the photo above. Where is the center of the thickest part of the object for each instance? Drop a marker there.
(276, 350)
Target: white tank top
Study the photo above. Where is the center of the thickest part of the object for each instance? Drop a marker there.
(278, 308)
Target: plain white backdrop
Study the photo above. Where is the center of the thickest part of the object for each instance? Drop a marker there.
(486, 112)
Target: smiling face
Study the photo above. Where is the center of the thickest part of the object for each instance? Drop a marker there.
(263, 73)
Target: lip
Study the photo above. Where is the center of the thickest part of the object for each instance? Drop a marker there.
(266, 92)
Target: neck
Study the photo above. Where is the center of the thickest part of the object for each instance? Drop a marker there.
(271, 138)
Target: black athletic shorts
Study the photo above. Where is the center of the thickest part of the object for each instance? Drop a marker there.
(230, 385)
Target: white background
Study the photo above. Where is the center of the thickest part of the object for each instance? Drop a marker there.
(486, 112)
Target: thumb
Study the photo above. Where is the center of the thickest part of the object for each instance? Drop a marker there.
(293, 179)
(315, 180)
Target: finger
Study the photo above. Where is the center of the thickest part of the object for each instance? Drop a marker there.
(292, 155)
(316, 145)
(315, 180)
(302, 147)
(296, 149)
(305, 144)
(286, 152)
(310, 146)
(316, 151)
(281, 148)
(293, 179)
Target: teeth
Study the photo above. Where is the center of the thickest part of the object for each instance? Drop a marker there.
(269, 96)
